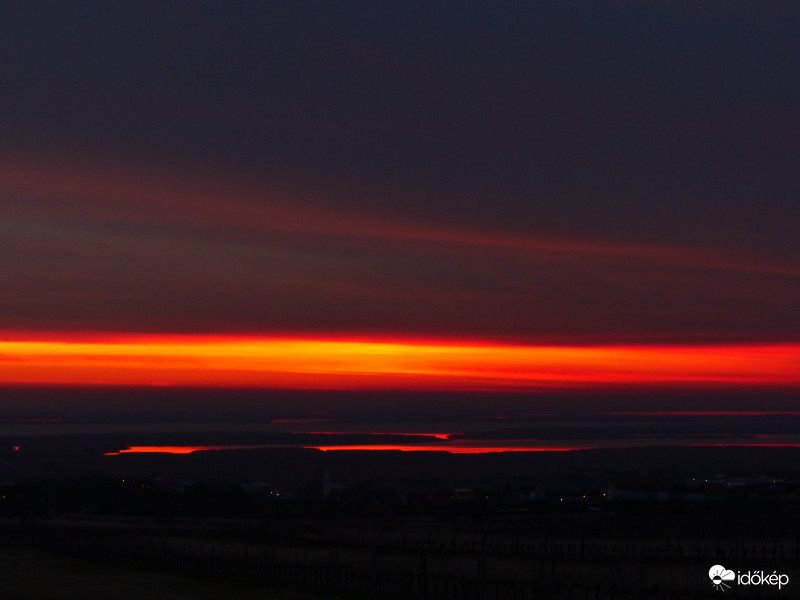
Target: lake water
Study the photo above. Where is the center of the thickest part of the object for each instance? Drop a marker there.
(178, 420)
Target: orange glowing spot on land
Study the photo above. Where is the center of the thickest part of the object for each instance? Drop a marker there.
(405, 364)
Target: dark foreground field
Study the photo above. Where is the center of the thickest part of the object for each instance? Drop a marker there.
(34, 575)
(640, 555)
(77, 523)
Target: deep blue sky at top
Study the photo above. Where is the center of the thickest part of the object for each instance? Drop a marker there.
(543, 171)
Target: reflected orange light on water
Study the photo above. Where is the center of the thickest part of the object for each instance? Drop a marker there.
(349, 364)
(452, 449)
(178, 449)
(438, 436)
(445, 448)
(164, 449)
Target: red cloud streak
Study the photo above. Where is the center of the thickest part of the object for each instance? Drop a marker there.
(159, 199)
(339, 363)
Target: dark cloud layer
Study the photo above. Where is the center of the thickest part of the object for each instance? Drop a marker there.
(547, 170)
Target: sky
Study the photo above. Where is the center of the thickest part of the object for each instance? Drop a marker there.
(573, 174)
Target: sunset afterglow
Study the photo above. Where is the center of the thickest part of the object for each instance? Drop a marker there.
(398, 300)
(371, 364)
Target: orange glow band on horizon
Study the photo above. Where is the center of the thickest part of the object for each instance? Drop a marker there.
(407, 364)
